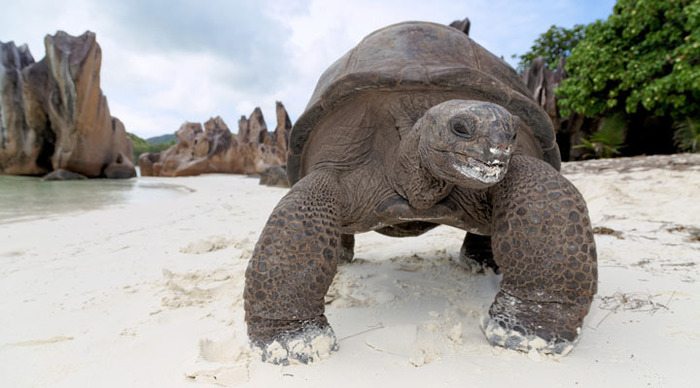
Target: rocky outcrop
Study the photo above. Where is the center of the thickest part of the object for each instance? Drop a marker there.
(53, 114)
(280, 138)
(63, 175)
(542, 82)
(274, 176)
(212, 148)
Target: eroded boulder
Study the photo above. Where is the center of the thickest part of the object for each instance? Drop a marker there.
(63, 175)
(212, 148)
(274, 176)
(53, 114)
(542, 83)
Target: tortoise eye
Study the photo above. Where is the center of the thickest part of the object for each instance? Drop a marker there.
(462, 129)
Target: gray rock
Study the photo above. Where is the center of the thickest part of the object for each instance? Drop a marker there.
(63, 175)
(274, 176)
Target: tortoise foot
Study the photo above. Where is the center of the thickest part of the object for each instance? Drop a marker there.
(498, 335)
(311, 342)
(549, 328)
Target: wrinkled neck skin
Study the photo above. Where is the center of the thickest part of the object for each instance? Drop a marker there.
(411, 178)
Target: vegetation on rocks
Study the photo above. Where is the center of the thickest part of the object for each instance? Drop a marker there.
(142, 146)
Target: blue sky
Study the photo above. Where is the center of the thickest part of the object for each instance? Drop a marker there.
(166, 62)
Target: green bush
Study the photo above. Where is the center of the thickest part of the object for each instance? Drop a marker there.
(142, 146)
(645, 58)
(687, 135)
(553, 45)
(607, 141)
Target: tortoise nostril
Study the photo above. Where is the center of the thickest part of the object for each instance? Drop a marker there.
(500, 149)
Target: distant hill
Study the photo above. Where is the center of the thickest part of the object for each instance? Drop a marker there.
(168, 138)
(152, 144)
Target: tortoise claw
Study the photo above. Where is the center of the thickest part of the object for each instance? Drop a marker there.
(308, 345)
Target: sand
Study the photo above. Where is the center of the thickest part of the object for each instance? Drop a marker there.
(149, 294)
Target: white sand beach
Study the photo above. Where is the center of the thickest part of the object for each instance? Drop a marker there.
(149, 294)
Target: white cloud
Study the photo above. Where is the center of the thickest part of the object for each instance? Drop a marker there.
(165, 90)
(324, 30)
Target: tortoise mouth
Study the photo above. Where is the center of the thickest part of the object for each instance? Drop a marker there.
(488, 172)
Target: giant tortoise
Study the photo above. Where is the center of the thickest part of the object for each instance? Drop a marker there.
(418, 126)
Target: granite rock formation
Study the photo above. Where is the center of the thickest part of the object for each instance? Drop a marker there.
(274, 176)
(53, 114)
(63, 175)
(212, 148)
(542, 82)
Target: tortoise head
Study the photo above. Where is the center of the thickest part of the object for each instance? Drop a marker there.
(467, 143)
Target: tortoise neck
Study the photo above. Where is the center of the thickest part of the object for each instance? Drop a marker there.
(411, 179)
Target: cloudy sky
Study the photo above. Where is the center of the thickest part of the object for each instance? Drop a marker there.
(165, 62)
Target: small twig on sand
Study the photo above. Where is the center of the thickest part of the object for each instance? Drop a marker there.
(667, 303)
(633, 302)
(377, 327)
(606, 316)
(378, 349)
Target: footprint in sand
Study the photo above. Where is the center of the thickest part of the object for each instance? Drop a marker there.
(199, 288)
(349, 289)
(215, 243)
(423, 343)
(210, 244)
(225, 362)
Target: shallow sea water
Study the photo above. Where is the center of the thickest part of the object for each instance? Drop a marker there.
(25, 198)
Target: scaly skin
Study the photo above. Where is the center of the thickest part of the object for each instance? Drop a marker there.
(541, 238)
(414, 127)
(543, 243)
(294, 263)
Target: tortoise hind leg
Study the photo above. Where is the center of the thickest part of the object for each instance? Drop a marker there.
(543, 243)
(347, 248)
(292, 266)
(476, 255)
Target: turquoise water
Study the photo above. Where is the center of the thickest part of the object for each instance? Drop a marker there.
(26, 198)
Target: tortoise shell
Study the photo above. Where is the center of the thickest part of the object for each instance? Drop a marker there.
(428, 60)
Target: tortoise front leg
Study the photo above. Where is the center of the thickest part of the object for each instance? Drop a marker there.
(292, 267)
(543, 243)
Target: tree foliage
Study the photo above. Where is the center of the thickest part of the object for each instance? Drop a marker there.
(142, 146)
(644, 58)
(555, 43)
